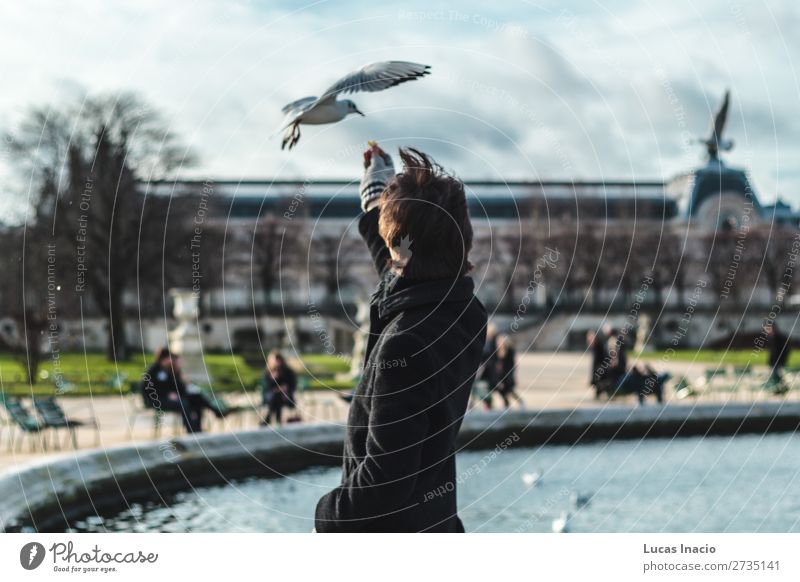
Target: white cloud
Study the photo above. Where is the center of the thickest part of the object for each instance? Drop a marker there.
(518, 90)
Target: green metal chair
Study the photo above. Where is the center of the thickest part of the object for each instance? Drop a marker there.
(140, 407)
(5, 424)
(137, 404)
(722, 381)
(684, 389)
(715, 373)
(776, 386)
(53, 416)
(20, 420)
(117, 381)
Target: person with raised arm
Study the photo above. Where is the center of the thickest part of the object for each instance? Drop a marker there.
(427, 331)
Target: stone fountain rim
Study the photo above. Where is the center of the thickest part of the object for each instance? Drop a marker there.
(49, 491)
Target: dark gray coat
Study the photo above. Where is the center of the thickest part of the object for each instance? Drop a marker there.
(423, 351)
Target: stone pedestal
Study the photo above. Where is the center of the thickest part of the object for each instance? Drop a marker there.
(185, 338)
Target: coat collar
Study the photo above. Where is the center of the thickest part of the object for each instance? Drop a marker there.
(397, 294)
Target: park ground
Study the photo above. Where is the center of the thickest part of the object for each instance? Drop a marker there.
(545, 381)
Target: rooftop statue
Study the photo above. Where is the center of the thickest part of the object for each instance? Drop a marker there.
(715, 143)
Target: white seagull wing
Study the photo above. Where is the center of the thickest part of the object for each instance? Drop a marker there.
(298, 105)
(376, 77)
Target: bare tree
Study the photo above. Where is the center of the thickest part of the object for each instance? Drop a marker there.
(28, 294)
(333, 259)
(508, 253)
(277, 249)
(98, 152)
(589, 266)
(172, 251)
(574, 271)
(630, 252)
(670, 263)
(481, 259)
(776, 245)
(33, 262)
(728, 256)
(538, 260)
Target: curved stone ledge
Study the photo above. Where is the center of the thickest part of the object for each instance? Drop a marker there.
(46, 495)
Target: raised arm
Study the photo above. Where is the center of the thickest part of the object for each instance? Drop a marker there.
(378, 170)
(368, 227)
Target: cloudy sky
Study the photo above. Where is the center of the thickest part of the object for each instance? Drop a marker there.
(519, 90)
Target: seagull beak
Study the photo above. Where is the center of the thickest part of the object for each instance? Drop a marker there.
(357, 111)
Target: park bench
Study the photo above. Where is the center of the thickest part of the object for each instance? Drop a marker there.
(735, 381)
(631, 384)
(53, 416)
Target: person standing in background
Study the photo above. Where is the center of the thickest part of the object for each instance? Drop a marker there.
(278, 388)
(505, 371)
(779, 350)
(618, 356)
(486, 373)
(598, 345)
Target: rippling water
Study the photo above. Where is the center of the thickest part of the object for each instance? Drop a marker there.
(713, 484)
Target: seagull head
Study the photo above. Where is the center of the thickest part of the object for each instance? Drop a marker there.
(352, 108)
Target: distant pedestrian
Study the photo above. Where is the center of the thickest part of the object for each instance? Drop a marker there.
(505, 370)
(278, 388)
(598, 346)
(779, 349)
(486, 373)
(618, 351)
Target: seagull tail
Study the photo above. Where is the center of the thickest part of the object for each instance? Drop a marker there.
(280, 129)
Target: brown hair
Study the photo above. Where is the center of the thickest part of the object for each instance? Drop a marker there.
(424, 212)
(278, 357)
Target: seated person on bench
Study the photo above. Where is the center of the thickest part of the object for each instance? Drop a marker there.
(165, 389)
(643, 380)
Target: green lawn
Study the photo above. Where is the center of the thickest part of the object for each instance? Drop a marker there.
(94, 374)
(331, 364)
(719, 357)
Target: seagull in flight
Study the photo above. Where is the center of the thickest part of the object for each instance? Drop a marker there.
(328, 109)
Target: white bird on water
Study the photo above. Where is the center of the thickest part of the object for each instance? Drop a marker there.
(327, 109)
(531, 479)
(561, 524)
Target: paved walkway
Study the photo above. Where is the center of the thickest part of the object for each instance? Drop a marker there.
(545, 380)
